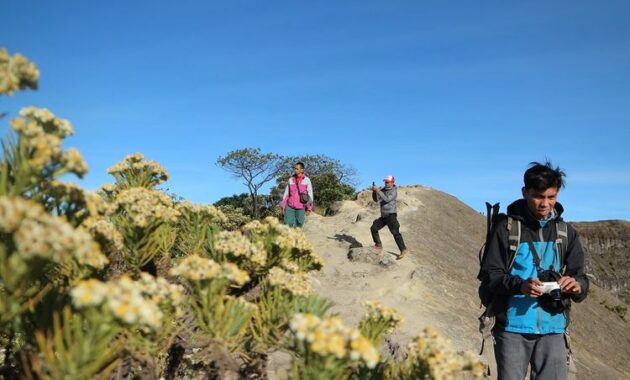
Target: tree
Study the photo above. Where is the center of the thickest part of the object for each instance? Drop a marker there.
(254, 167)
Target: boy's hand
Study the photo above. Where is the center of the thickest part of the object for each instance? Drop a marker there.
(569, 284)
(531, 288)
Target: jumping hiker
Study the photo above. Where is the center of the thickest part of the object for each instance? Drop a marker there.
(386, 196)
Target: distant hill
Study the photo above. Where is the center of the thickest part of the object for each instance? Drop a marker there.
(436, 285)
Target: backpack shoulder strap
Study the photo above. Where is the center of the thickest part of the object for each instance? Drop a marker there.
(514, 238)
(289, 185)
(562, 241)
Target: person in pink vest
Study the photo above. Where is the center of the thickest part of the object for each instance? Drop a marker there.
(297, 201)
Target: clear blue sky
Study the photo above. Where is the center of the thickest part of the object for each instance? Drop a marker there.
(456, 95)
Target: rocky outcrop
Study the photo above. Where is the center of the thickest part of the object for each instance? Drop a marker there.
(607, 245)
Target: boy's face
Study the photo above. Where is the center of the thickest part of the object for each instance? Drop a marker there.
(389, 184)
(298, 169)
(541, 202)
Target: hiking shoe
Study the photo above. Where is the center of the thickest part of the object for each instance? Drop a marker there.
(402, 254)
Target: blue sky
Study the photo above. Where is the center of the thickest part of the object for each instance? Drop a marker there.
(456, 95)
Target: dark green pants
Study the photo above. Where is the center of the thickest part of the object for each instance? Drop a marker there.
(293, 217)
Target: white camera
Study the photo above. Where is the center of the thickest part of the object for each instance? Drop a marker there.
(547, 287)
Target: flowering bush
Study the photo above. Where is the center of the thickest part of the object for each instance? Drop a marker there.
(16, 73)
(135, 171)
(326, 349)
(195, 227)
(145, 218)
(217, 314)
(431, 356)
(283, 295)
(283, 244)
(34, 243)
(378, 321)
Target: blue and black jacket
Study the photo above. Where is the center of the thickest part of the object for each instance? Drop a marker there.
(514, 311)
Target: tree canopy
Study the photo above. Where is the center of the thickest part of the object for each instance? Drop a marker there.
(254, 167)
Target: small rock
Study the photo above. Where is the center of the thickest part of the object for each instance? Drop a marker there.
(420, 273)
(333, 209)
(371, 255)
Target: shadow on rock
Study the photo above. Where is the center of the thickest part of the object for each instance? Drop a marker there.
(354, 243)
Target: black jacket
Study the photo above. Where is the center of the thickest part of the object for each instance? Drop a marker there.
(495, 272)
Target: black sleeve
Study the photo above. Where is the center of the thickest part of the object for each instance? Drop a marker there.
(495, 265)
(374, 196)
(575, 264)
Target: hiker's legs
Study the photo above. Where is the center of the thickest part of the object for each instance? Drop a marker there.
(394, 228)
(550, 358)
(289, 217)
(299, 217)
(377, 225)
(512, 353)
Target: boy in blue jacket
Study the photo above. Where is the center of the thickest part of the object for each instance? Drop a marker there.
(531, 324)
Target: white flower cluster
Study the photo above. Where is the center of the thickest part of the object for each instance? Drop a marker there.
(296, 283)
(377, 311)
(196, 268)
(135, 162)
(16, 73)
(328, 336)
(95, 204)
(39, 234)
(131, 302)
(48, 122)
(42, 133)
(440, 358)
(289, 266)
(145, 206)
(103, 229)
(44, 148)
(234, 243)
(160, 290)
(188, 209)
(73, 161)
(291, 240)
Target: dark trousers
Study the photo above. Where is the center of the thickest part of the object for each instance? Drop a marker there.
(391, 222)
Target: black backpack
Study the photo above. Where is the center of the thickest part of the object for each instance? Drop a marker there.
(487, 318)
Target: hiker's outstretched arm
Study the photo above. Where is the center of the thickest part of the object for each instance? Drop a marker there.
(575, 264)
(387, 196)
(496, 265)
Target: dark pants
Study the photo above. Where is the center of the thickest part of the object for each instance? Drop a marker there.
(392, 223)
(547, 355)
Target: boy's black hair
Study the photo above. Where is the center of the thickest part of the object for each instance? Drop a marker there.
(301, 164)
(540, 177)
